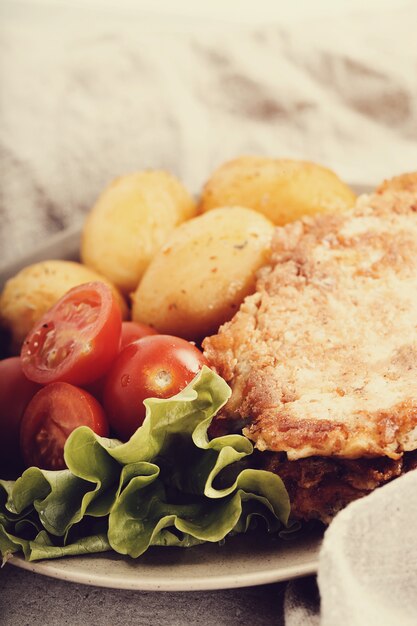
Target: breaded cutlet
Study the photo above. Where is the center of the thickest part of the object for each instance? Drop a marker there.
(322, 358)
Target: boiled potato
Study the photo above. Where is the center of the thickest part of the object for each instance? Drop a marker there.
(282, 190)
(203, 272)
(129, 223)
(29, 294)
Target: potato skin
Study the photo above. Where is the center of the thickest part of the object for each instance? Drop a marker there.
(283, 190)
(32, 291)
(198, 280)
(129, 223)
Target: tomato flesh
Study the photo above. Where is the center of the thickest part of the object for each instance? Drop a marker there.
(51, 416)
(15, 393)
(77, 339)
(157, 366)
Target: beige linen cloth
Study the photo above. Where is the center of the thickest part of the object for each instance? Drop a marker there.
(368, 564)
(86, 97)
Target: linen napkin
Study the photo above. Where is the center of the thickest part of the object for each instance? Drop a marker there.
(368, 564)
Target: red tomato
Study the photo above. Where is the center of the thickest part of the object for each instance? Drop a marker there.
(158, 366)
(131, 331)
(15, 393)
(77, 339)
(134, 330)
(52, 414)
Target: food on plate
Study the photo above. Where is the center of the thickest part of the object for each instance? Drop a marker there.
(283, 190)
(131, 331)
(319, 486)
(322, 358)
(15, 393)
(167, 486)
(200, 276)
(51, 416)
(156, 366)
(134, 330)
(29, 294)
(77, 339)
(404, 182)
(129, 223)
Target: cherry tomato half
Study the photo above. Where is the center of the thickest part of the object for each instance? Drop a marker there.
(77, 339)
(158, 366)
(15, 393)
(134, 330)
(51, 416)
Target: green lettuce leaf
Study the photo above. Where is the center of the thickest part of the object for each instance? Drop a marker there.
(169, 485)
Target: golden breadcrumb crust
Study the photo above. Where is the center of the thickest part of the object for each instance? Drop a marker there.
(322, 359)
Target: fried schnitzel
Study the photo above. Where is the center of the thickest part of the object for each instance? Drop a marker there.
(322, 358)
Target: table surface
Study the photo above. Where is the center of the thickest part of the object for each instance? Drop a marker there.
(27, 598)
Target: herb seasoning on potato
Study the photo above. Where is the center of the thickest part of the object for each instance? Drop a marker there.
(199, 278)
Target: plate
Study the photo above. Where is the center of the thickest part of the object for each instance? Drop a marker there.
(241, 561)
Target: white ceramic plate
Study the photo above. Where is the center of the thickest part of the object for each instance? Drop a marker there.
(242, 561)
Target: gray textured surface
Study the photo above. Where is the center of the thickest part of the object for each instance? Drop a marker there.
(30, 599)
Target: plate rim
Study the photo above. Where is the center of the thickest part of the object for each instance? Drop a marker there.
(172, 583)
